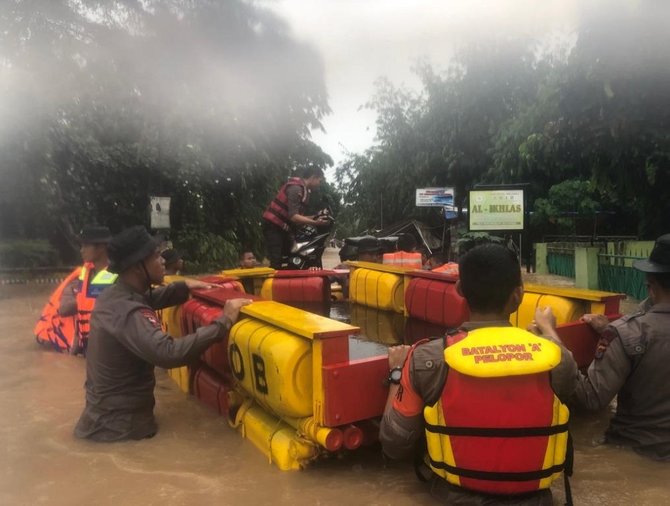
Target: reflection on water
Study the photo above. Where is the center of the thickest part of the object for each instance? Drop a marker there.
(379, 329)
(384, 327)
(360, 347)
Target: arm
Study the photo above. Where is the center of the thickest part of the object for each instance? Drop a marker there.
(68, 298)
(142, 334)
(422, 380)
(294, 195)
(170, 295)
(604, 379)
(402, 422)
(565, 375)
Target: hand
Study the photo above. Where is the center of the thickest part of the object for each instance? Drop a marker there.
(398, 355)
(195, 284)
(544, 322)
(320, 222)
(597, 321)
(231, 309)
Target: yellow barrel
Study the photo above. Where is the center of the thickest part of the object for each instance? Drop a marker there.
(272, 365)
(276, 439)
(565, 310)
(171, 323)
(383, 290)
(181, 377)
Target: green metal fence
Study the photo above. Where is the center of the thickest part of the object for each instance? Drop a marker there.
(615, 276)
(561, 261)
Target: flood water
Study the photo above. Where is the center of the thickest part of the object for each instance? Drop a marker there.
(196, 458)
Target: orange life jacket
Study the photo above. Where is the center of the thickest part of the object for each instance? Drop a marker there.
(277, 212)
(52, 328)
(498, 427)
(448, 268)
(92, 285)
(403, 259)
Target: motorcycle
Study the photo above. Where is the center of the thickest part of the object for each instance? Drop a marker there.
(309, 244)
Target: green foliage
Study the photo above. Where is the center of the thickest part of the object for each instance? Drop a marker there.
(469, 240)
(205, 251)
(586, 127)
(210, 103)
(566, 201)
(26, 253)
(440, 137)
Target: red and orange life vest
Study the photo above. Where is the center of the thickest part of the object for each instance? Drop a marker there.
(403, 259)
(52, 328)
(277, 212)
(92, 285)
(498, 427)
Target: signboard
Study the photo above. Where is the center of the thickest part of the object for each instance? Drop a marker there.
(450, 212)
(496, 210)
(434, 197)
(160, 212)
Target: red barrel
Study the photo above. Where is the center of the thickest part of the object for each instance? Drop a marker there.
(435, 300)
(197, 313)
(211, 389)
(298, 286)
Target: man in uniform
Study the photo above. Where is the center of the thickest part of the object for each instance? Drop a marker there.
(127, 341)
(488, 415)
(632, 363)
(286, 212)
(79, 296)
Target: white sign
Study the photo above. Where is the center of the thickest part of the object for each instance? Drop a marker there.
(496, 210)
(434, 197)
(160, 212)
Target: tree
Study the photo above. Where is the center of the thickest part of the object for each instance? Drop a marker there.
(209, 102)
(602, 116)
(442, 136)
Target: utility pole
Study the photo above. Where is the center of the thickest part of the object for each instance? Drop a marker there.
(381, 211)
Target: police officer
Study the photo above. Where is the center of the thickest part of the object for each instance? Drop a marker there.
(485, 420)
(93, 250)
(79, 296)
(127, 341)
(632, 363)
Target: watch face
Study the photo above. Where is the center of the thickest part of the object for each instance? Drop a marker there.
(395, 375)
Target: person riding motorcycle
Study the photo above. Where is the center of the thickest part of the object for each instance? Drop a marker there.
(286, 212)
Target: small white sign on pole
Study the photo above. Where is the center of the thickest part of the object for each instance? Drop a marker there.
(160, 212)
(434, 197)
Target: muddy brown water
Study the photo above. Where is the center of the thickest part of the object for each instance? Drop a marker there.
(196, 458)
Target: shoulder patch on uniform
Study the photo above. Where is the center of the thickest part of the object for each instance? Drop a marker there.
(151, 316)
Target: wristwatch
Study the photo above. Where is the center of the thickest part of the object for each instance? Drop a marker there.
(395, 375)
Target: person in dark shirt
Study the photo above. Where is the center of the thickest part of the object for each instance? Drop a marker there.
(631, 364)
(127, 341)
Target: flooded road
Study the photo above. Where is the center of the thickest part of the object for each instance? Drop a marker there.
(197, 459)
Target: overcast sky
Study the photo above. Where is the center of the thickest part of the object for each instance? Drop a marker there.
(360, 40)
